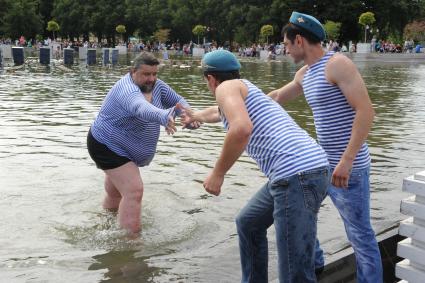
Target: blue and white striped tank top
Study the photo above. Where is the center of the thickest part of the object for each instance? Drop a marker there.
(129, 125)
(333, 116)
(278, 145)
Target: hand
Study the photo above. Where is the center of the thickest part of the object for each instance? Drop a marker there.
(341, 174)
(187, 118)
(192, 126)
(171, 127)
(213, 183)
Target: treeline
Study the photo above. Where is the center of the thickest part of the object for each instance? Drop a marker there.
(226, 21)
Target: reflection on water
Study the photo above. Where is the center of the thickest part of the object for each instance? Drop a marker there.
(53, 226)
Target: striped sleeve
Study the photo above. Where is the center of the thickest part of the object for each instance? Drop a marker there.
(138, 106)
(170, 98)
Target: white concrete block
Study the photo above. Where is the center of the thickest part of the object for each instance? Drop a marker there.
(6, 51)
(82, 53)
(122, 49)
(406, 250)
(420, 176)
(404, 270)
(363, 48)
(410, 207)
(198, 52)
(410, 229)
(414, 186)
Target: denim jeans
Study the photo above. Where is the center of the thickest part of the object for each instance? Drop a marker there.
(353, 205)
(292, 205)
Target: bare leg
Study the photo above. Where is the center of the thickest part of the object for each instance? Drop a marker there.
(113, 197)
(128, 183)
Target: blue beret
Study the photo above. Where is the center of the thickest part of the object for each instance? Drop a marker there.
(309, 23)
(220, 61)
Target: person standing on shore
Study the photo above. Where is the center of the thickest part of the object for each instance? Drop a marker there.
(125, 133)
(343, 115)
(296, 166)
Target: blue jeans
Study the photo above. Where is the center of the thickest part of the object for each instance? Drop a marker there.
(353, 205)
(291, 204)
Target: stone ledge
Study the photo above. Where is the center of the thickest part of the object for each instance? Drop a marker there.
(416, 255)
(420, 176)
(410, 207)
(414, 186)
(412, 230)
(410, 274)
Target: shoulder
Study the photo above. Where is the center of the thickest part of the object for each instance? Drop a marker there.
(232, 88)
(299, 75)
(340, 67)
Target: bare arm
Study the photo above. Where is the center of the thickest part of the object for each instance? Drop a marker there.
(341, 71)
(231, 101)
(291, 90)
(230, 98)
(208, 115)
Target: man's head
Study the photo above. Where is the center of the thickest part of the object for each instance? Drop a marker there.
(220, 66)
(144, 71)
(302, 33)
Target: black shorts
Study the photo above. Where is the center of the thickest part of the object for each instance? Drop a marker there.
(104, 157)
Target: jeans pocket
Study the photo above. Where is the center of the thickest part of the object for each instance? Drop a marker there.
(312, 200)
(314, 189)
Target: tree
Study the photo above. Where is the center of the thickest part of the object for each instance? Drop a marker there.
(53, 26)
(267, 30)
(332, 29)
(21, 18)
(366, 19)
(199, 30)
(162, 35)
(415, 30)
(121, 30)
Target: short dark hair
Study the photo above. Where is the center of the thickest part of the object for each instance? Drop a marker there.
(145, 58)
(291, 31)
(224, 76)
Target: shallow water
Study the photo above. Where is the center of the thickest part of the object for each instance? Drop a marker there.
(54, 229)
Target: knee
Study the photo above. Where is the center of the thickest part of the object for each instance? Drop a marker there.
(242, 222)
(135, 194)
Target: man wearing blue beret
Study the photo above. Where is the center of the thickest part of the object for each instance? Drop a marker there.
(296, 166)
(343, 115)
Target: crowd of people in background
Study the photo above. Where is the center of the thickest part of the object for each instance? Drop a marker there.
(252, 50)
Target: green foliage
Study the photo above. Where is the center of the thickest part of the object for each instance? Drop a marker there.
(415, 30)
(199, 30)
(266, 30)
(367, 18)
(120, 29)
(227, 20)
(332, 30)
(21, 18)
(52, 26)
(395, 38)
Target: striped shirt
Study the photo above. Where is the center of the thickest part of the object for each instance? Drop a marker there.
(128, 124)
(278, 145)
(333, 116)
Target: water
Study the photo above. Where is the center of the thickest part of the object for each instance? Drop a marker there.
(54, 229)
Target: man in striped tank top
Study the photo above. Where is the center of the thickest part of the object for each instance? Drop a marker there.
(343, 115)
(125, 133)
(296, 166)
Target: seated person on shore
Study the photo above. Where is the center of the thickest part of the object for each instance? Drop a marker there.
(125, 133)
(296, 166)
